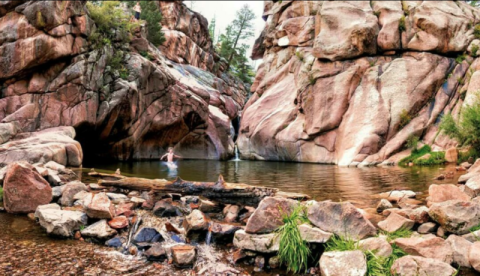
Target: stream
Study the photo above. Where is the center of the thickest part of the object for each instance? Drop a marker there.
(27, 250)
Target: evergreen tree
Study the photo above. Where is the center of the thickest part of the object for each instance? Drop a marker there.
(242, 28)
(211, 29)
(153, 16)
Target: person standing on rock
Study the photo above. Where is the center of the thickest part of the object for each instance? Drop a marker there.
(138, 10)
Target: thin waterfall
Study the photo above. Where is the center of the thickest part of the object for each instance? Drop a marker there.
(237, 157)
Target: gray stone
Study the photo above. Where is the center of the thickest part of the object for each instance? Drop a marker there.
(351, 263)
(456, 216)
(99, 230)
(264, 243)
(472, 186)
(383, 205)
(379, 246)
(427, 227)
(51, 206)
(461, 248)
(69, 191)
(61, 222)
(117, 198)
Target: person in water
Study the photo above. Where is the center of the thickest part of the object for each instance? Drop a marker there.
(170, 155)
(137, 10)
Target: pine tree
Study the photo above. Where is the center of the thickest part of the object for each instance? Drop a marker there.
(211, 29)
(152, 15)
(242, 27)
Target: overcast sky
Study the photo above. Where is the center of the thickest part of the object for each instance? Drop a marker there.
(224, 12)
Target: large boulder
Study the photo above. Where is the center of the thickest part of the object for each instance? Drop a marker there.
(456, 216)
(342, 219)
(60, 222)
(472, 186)
(414, 266)
(268, 215)
(428, 246)
(351, 263)
(461, 249)
(24, 189)
(99, 206)
(441, 193)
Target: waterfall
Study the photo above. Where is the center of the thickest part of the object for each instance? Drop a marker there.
(208, 239)
(237, 158)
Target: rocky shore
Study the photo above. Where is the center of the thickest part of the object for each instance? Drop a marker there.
(172, 229)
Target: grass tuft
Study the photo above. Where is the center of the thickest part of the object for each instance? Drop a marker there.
(294, 251)
(1, 194)
(401, 233)
(415, 155)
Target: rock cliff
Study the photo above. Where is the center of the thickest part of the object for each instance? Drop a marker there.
(51, 77)
(348, 82)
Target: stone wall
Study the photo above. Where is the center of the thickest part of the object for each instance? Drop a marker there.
(348, 82)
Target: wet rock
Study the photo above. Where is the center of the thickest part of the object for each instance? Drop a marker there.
(60, 222)
(342, 219)
(99, 206)
(313, 235)
(184, 255)
(427, 246)
(69, 191)
(238, 255)
(268, 215)
(222, 233)
(99, 230)
(461, 248)
(147, 235)
(426, 228)
(351, 263)
(383, 205)
(117, 198)
(379, 246)
(246, 213)
(169, 208)
(264, 243)
(397, 195)
(156, 253)
(474, 256)
(115, 242)
(414, 265)
(466, 165)
(196, 225)
(445, 192)
(24, 189)
(395, 222)
(472, 186)
(51, 206)
(456, 216)
(231, 213)
(259, 263)
(119, 222)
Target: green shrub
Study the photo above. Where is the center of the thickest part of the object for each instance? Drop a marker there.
(421, 152)
(412, 143)
(152, 15)
(1, 194)
(464, 156)
(294, 251)
(460, 58)
(405, 118)
(401, 24)
(474, 50)
(311, 79)
(467, 130)
(476, 31)
(300, 56)
(146, 55)
(436, 158)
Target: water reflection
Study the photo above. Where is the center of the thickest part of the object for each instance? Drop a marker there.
(319, 181)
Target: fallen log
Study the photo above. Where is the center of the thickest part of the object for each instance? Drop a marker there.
(220, 191)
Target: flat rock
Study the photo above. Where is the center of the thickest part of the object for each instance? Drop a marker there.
(99, 206)
(169, 208)
(184, 255)
(461, 249)
(396, 222)
(472, 186)
(456, 216)
(196, 225)
(61, 222)
(117, 198)
(312, 234)
(51, 206)
(428, 246)
(24, 189)
(415, 266)
(342, 219)
(445, 192)
(119, 222)
(379, 246)
(99, 230)
(264, 243)
(268, 215)
(352, 263)
(427, 227)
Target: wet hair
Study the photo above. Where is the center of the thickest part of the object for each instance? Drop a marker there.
(170, 148)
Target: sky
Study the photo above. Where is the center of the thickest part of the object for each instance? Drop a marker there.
(224, 12)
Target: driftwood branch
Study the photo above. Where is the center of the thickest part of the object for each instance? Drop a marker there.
(220, 191)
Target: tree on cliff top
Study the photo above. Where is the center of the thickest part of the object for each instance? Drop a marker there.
(241, 28)
(153, 16)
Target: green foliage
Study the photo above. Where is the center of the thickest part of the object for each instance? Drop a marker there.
(337, 243)
(211, 29)
(405, 118)
(460, 58)
(300, 56)
(467, 130)
(412, 143)
(419, 153)
(146, 55)
(475, 48)
(400, 233)
(464, 156)
(475, 228)
(1, 194)
(376, 13)
(152, 15)
(401, 24)
(294, 251)
(311, 79)
(436, 158)
(116, 64)
(476, 31)
(231, 47)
